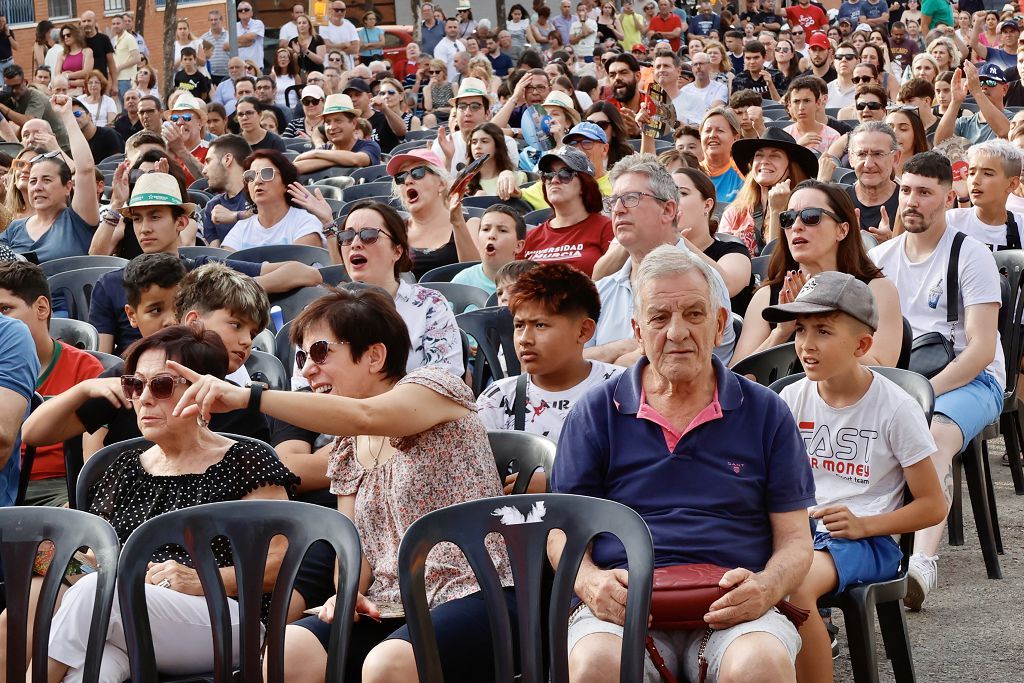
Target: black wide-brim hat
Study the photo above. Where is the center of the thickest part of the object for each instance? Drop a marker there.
(743, 151)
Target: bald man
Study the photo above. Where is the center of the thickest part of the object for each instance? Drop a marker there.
(102, 50)
(225, 92)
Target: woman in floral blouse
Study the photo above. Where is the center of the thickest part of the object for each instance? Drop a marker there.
(409, 443)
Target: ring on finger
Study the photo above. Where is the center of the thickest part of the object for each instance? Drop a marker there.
(164, 583)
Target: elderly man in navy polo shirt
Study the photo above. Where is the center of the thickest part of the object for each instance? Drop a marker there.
(713, 463)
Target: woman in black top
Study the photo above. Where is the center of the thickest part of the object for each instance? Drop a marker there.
(309, 47)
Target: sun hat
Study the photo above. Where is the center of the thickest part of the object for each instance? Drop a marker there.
(471, 87)
(424, 154)
(339, 104)
(743, 151)
(562, 101)
(826, 293)
(157, 189)
(189, 102)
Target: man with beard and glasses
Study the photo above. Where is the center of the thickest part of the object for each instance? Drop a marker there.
(223, 172)
(624, 77)
(968, 391)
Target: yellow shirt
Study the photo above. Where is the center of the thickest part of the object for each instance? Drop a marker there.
(534, 194)
(123, 47)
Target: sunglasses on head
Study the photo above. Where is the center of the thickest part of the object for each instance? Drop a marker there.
(418, 173)
(266, 174)
(317, 352)
(48, 155)
(564, 175)
(160, 387)
(809, 217)
(871, 106)
(311, 101)
(367, 236)
(183, 117)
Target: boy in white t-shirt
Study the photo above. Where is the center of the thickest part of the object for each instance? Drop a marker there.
(993, 174)
(866, 439)
(555, 308)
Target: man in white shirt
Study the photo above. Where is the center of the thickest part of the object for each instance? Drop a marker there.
(470, 107)
(290, 30)
(969, 391)
(449, 46)
(697, 98)
(842, 89)
(993, 174)
(250, 35)
(339, 33)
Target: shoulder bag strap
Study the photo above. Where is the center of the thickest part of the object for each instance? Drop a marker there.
(1012, 232)
(758, 215)
(519, 404)
(953, 282)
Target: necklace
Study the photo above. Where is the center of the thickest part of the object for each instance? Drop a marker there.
(376, 458)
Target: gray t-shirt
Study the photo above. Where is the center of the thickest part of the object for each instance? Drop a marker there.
(68, 236)
(36, 105)
(976, 130)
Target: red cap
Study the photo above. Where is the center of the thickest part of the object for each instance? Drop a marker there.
(639, 47)
(819, 40)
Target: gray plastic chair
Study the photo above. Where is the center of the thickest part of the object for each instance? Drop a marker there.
(266, 368)
(522, 453)
(77, 333)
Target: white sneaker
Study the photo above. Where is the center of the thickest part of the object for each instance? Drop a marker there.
(922, 576)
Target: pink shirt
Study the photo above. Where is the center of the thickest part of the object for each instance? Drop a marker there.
(711, 411)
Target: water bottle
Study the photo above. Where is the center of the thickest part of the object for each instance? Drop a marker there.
(277, 318)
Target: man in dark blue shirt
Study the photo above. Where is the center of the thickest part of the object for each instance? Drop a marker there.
(501, 63)
(705, 21)
(223, 172)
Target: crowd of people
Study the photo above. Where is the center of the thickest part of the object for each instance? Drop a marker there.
(660, 193)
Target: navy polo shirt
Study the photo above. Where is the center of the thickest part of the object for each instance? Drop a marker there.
(708, 500)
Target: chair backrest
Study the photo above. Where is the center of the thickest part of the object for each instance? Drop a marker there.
(406, 146)
(273, 372)
(200, 198)
(28, 457)
(728, 237)
(278, 253)
(249, 526)
(107, 360)
(1011, 265)
(537, 217)
(60, 265)
(467, 524)
(481, 201)
(335, 275)
(213, 252)
(522, 453)
(759, 268)
(447, 272)
(199, 184)
(77, 333)
(298, 144)
(460, 297)
(903, 362)
(22, 529)
(328, 191)
(368, 174)
(75, 286)
(283, 347)
(771, 364)
(424, 134)
(293, 302)
(264, 341)
(340, 181)
(492, 329)
(868, 240)
(367, 191)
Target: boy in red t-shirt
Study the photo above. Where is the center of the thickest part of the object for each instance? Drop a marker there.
(25, 295)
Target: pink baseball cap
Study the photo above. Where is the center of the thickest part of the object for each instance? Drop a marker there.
(424, 154)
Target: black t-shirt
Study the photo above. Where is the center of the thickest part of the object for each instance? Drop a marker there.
(838, 126)
(121, 423)
(125, 128)
(829, 76)
(382, 133)
(106, 142)
(1015, 94)
(870, 216)
(101, 47)
(270, 141)
(716, 250)
(197, 84)
(305, 63)
(744, 81)
(5, 45)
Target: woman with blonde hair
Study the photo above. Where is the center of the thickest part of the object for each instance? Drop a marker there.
(308, 45)
(945, 53)
(480, 67)
(924, 67)
(253, 69)
(394, 97)
(100, 105)
(721, 65)
(16, 203)
(77, 62)
(437, 94)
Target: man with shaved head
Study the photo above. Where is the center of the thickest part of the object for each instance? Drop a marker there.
(102, 50)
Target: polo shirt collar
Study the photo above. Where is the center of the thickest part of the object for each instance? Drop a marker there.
(628, 390)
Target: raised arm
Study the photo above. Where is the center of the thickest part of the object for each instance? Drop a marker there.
(84, 201)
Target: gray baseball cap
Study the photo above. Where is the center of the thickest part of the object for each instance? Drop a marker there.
(825, 293)
(570, 156)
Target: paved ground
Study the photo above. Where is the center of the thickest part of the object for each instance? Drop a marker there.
(969, 626)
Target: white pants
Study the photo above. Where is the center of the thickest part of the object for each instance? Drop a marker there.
(180, 624)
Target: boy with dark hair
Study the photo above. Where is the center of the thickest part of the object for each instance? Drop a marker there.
(190, 78)
(500, 237)
(555, 308)
(507, 276)
(150, 285)
(747, 105)
(25, 296)
(804, 103)
(867, 440)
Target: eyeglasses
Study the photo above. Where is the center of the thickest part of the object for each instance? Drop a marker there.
(564, 175)
(265, 174)
(809, 217)
(366, 235)
(580, 142)
(160, 387)
(605, 125)
(418, 173)
(846, 57)
(317, 352)
(245, 114)
(629, 200)
(864, 154)
(311, 101)
(862, 79)
(181, 117)
(870, 106)
(469, 106)
(388, 93)
(989, 83)
(48, 155)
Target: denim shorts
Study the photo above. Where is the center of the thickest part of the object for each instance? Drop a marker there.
(973, 406)
(861, 560)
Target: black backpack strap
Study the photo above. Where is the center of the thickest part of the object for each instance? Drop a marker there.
(519, 404)
(953, 280)
(758, 215)
(1012, 232)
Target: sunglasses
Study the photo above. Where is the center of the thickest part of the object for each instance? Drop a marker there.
(79, 113)
(871, 106)
(862, 79)
(435, 72)
(564, 175)
(366, 235)
(48, 155)
(809, 217)
(989, 83)
(317, 352)
(160, 387)
(182, 117)
(144, 112)
(389, 93)
(418, 173)
(847, 57)
(311, 101)
(605, 125)
(266, 174)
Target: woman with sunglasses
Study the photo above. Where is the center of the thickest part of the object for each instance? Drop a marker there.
(392, 95)
(910, 133)
(605, 115)
(867, 107)
(77, 62)
(278, 219)
(308, 45)
(146, 82)
(438, 234)
(65, 210)
(247, 113)
(186, 465)
(307, 125)
(787, 62)
(578, 233)
(437, 95)
(820, 233)
(391, 426)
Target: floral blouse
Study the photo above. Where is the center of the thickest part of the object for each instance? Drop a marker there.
(444, 465)
(740, 222)
(432, 328)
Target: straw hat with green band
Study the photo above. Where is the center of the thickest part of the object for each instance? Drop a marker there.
(339, 104)
(471, 87)
(157, 189)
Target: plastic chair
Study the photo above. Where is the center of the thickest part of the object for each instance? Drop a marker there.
(492, 329)
(293, 302)
(341, 182)
(539, 216)
(331, 172)
(200, 184)
(24, 528)
(728, 237)
(1011, 266)
(250, 526)
(328, 191)
(283, 347)
(335, 275)
(212, 252)
(62, 265)
(367, 191)
(264, 341)
(406, 146)
(522, 453)
(107, 360)
(28, 457)
(11, 149)
(461, 297)
(481, 201)
(368, 174)
(759, 268)
(903, 362)
(467, 524)
(781, 123)
(75, 333)
(771, 364)
(446, 273)
(424, 134)
(473, 212)
(75, 286)
(858, 601)
(279, 253)
(199, 198)
(298, 144)
(273, 373)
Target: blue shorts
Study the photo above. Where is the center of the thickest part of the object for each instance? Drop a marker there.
(973, 406)
(864, 560)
